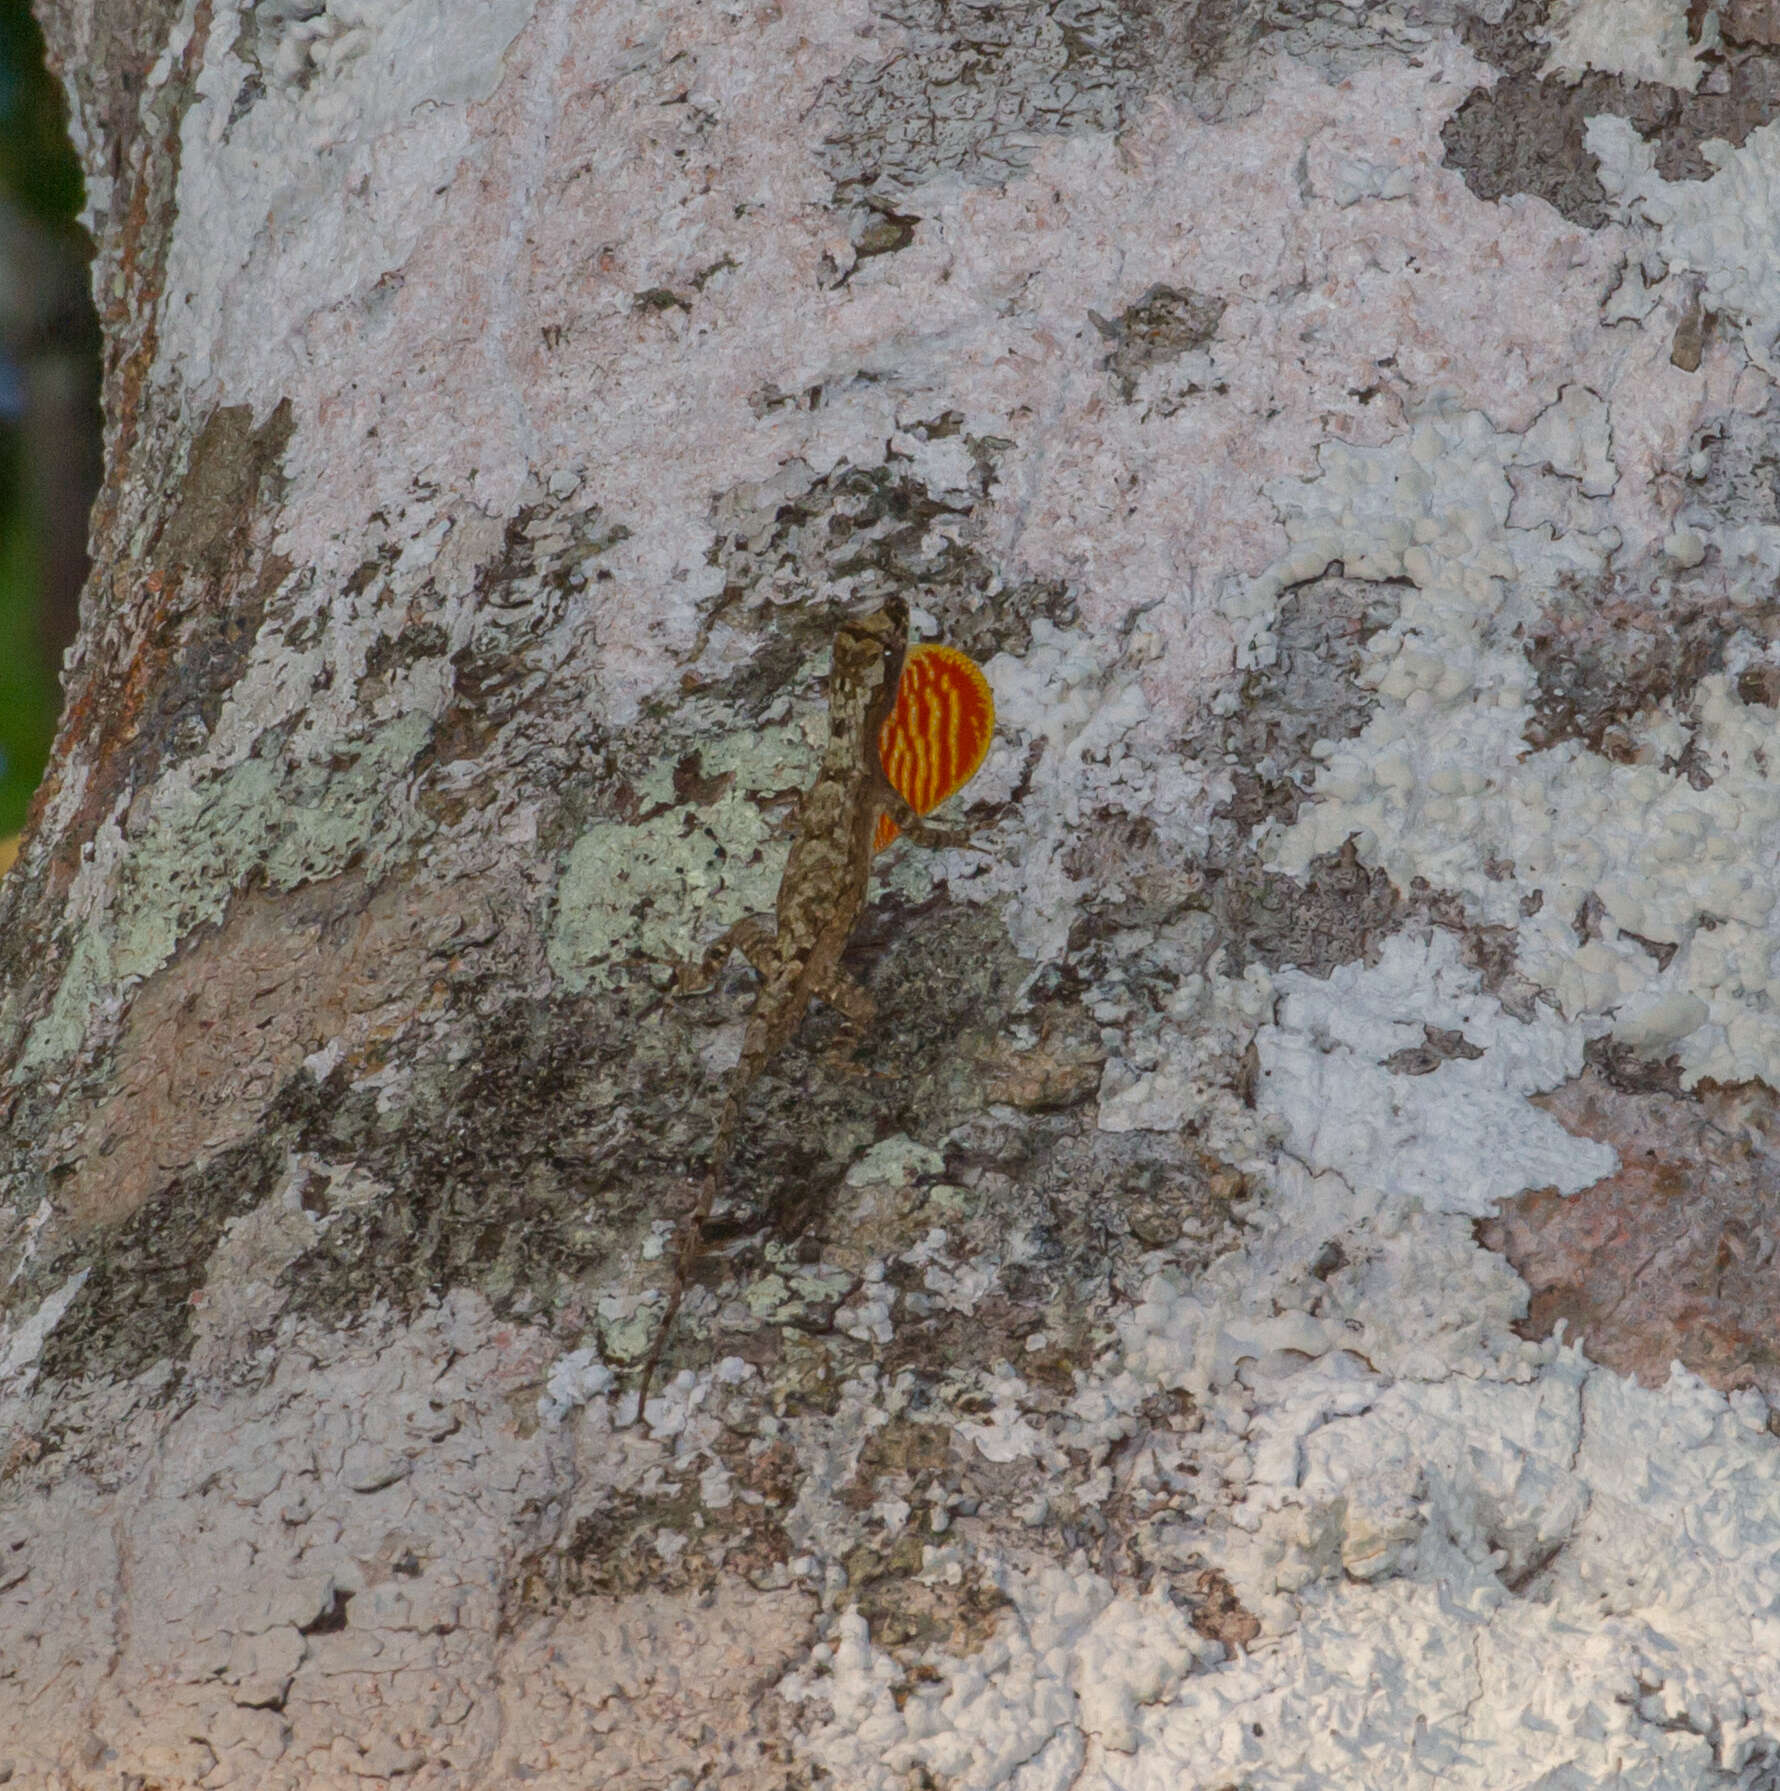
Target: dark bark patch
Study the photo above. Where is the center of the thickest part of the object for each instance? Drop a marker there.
(1310, 692)
(1272, 743)
(907, 1611)
(874, 533)
(1218, 1613)
(883, 231)
(135, 1308)
(1059, 1070)
(1750, 22)
(119, 42)
(1525, 135)
(898, 1457)
(969, 90)
(1341, 911)
(1439, 1045)
(219, 573)
(516, 1172)
(196, 614)
(1626, 1071)
(1604, 655)
(1164, 324)
(547, 559)
(668, 1539)
(333, 1619)
(973, 90)
(400, 652)
(226, 477)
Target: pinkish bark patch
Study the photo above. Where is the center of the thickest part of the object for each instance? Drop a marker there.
(1672, 1259)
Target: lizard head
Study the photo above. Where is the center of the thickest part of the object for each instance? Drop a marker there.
(868, 655)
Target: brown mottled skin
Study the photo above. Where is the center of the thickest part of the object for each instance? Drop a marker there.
(820, 898)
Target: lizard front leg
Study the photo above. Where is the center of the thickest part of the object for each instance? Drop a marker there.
(914, 827)
(753, 936)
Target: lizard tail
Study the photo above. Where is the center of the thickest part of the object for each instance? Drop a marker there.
(692, 1243)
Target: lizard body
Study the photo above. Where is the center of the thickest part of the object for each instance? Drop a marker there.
(820, 897)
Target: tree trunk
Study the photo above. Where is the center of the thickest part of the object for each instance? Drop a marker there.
(1289, 1300)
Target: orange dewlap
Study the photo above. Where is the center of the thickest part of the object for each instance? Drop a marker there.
(936, 738)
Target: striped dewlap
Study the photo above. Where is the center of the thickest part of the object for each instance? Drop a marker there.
(938, 735)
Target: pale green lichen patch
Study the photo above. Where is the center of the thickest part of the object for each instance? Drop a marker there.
(787, 1293)
(626, 1329)
(899, 1160)
(289, 824)
(664, 886)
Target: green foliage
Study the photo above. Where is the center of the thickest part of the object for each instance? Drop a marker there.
(37, 162)
(39, 172)
(28, 696)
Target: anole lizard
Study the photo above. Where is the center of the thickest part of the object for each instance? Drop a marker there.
(820, 898)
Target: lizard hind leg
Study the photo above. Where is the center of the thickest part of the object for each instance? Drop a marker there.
(856, 1008)
(692, 1235)
(754, 936)
(692, 1243)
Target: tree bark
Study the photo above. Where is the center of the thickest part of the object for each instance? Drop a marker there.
(1289, 1299)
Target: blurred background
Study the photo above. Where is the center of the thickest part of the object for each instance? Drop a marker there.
(49, 406)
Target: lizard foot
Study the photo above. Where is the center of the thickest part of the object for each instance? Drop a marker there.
(753, 936)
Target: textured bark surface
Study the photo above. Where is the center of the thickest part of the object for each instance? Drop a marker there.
(1344, 435)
